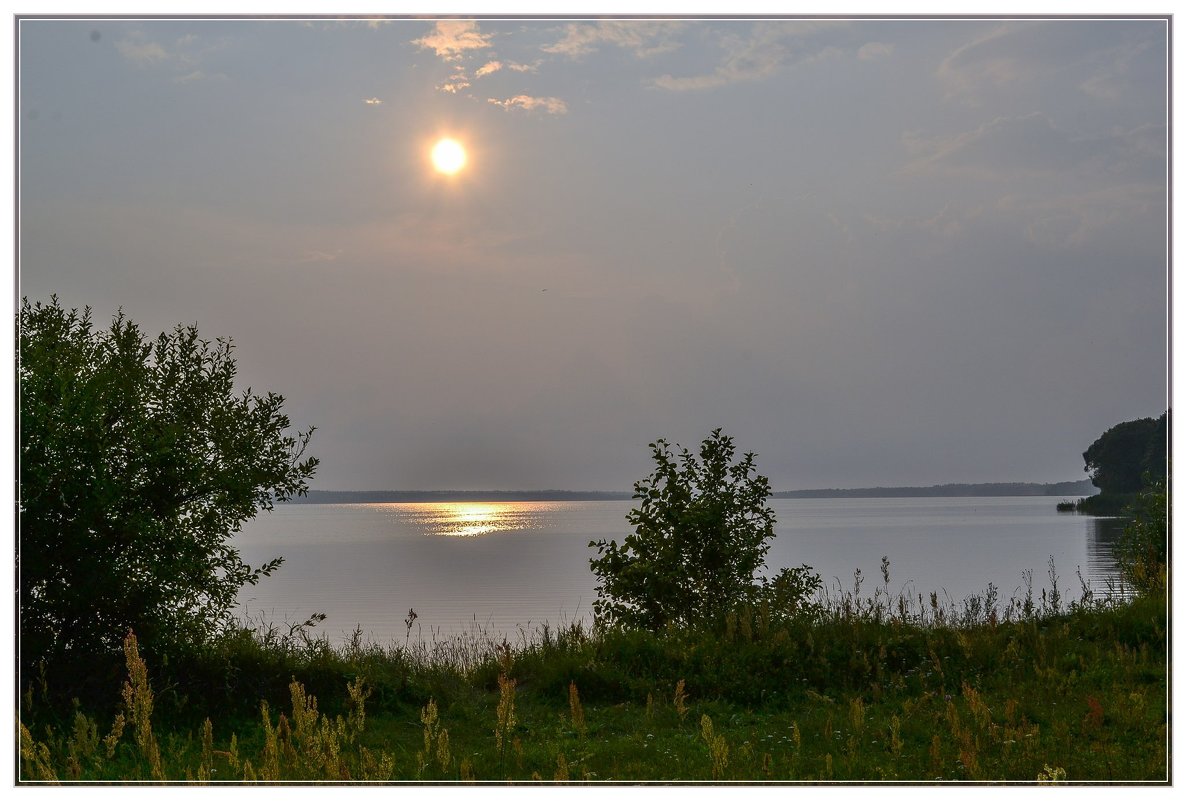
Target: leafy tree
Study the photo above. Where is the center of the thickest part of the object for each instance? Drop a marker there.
(1141, 550)
(138, 463)
(1120, 457)
(701, 532)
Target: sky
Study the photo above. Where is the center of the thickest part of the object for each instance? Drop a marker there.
(897, 252)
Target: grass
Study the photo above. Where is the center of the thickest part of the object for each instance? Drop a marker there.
(872, 688)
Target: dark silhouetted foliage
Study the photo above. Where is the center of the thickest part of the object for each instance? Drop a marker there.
(1123, 455)
(138, 462)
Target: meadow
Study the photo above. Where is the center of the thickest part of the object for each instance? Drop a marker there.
(854, 688)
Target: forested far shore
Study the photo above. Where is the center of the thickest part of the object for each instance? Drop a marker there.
(1000, 489)
(1016, 489)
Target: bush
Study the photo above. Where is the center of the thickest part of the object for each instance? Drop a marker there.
(701, 532)
(1141, 550)
(138, 463)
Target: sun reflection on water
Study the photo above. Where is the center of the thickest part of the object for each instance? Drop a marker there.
(465, 519)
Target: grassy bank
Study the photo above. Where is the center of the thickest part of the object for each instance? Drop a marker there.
(880, 689)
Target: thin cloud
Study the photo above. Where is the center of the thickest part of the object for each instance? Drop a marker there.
(760, 56)
(872, 51)
(183, 55)
(320, 256)
(142, 53)
(644, 39)
(455, 84)
(200, 75)
(451, 39)
(549, 105)
(1024, 62)
(1004, 147)
(494, 66)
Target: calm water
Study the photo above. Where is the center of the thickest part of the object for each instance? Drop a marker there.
(511, 566)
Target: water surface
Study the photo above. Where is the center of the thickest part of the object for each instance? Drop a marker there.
(508, 567)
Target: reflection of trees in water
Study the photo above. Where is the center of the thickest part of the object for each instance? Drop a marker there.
(1102, 536)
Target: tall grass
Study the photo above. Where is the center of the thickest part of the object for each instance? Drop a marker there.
(868, 686)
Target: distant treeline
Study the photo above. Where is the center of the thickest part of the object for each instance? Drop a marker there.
(454, 496)
(1064, 488)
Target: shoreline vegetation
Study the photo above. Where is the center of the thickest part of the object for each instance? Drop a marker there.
(864, 688)
(989, 490)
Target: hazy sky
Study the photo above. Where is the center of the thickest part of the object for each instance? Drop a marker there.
(897, 252)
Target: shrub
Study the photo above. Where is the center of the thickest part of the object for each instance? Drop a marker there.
(1141, 550)
(701, 532)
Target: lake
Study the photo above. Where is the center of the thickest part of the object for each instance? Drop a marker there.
(505, 568)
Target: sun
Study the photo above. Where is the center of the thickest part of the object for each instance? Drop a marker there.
(448, 156)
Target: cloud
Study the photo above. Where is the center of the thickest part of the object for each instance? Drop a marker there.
(1119, 70)
(200, 75)
(140, 52)
(319, 256)
(372, 101)
(549, 105)
(644, 39)
(455, 84)
(1035, 62)
(1085, 219)
(761, 55)
(872, 51)
(494, 66)
(184, 55)
(1031, 145)
(1003, 146)
(451, 39)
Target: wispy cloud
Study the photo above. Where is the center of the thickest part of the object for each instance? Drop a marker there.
(141, 52)
(1029, 62)
(200, 75)
(451, 39)
(872, 51)
(456, 83)
(491, 67)
(183, 55)
(644, 39)
(319, 256)
(549, 105)
(768, 49)
(1005, 146)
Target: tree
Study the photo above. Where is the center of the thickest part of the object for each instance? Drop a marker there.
(1120, 458)
(138, 463)
(701, 531)
(1141, 550)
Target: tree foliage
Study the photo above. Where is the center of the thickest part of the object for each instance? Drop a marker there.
(1141, 552)
(1121, 457)
(701, 531)
(138, 463)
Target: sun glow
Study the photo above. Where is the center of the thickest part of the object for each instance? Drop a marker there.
(448, 156)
